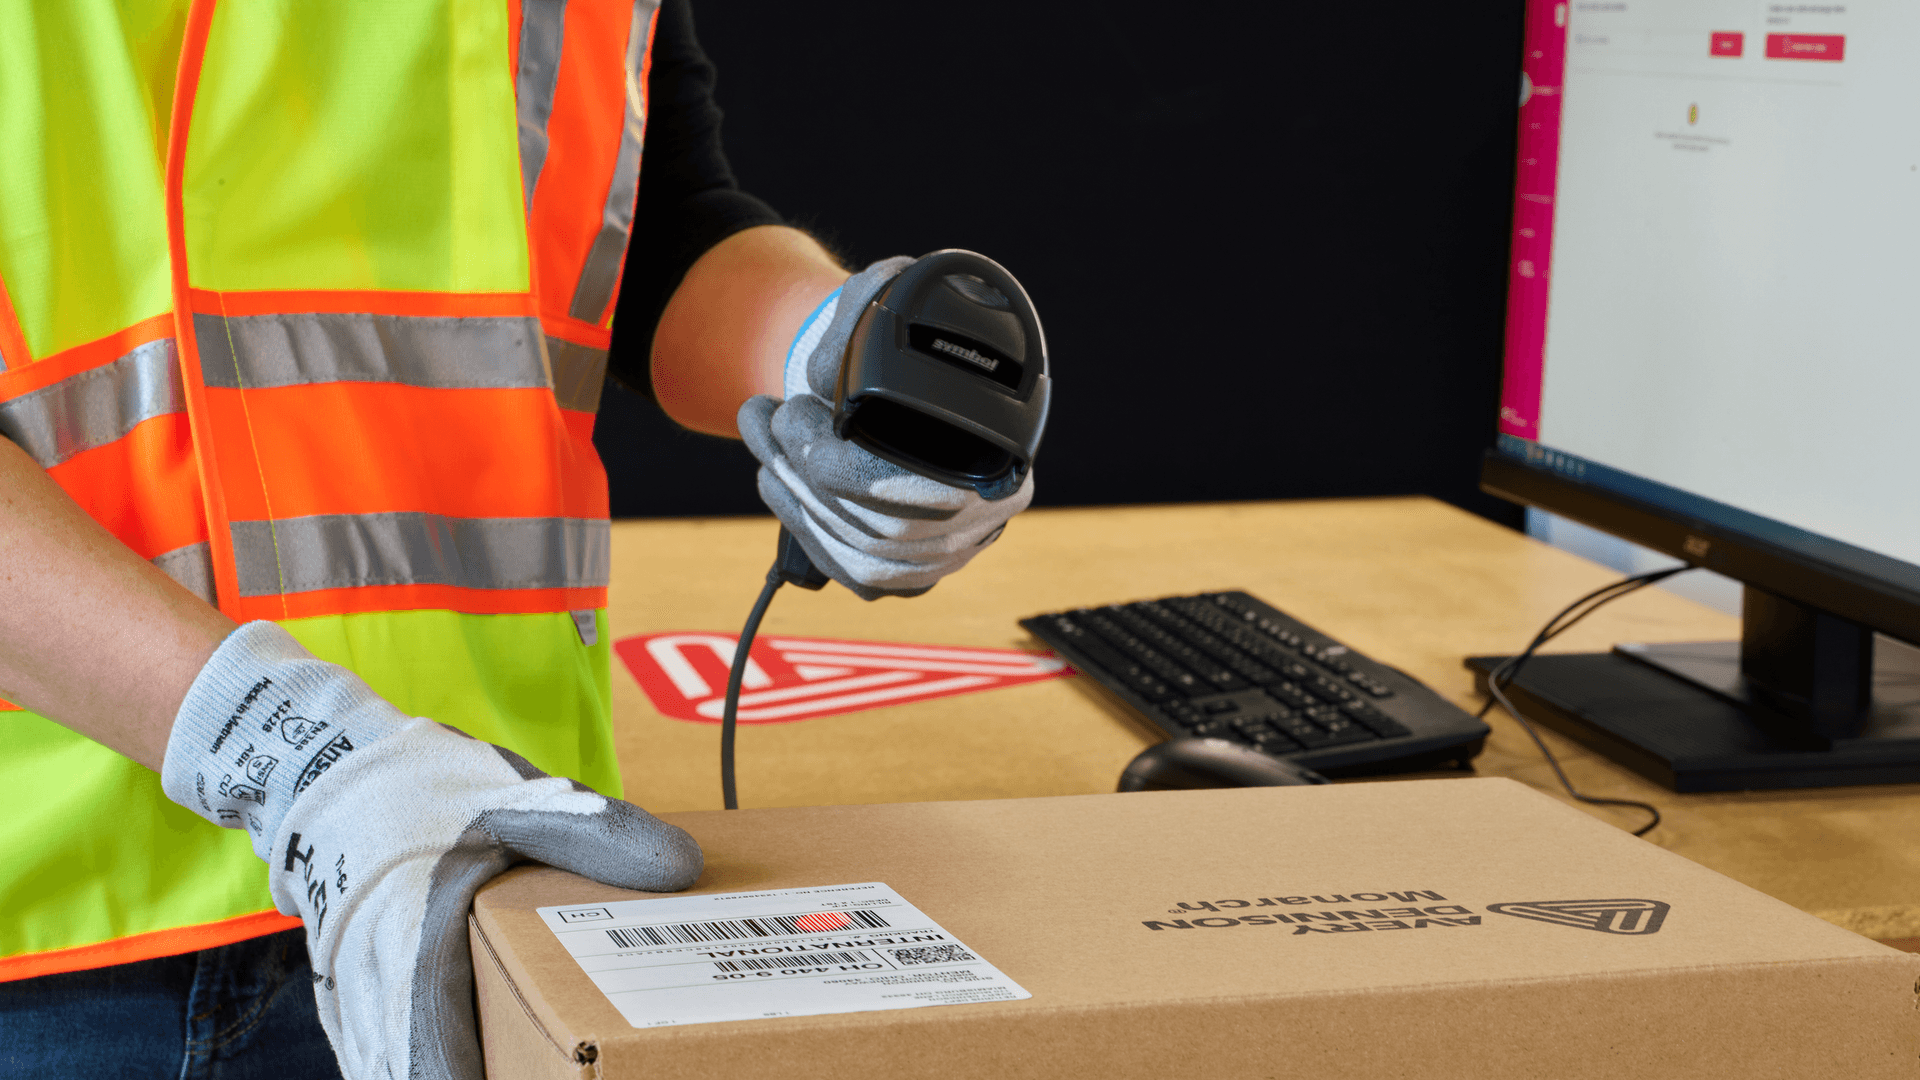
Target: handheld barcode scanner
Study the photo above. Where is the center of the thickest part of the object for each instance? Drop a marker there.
(945, 375)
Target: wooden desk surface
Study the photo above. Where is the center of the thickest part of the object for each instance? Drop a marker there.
(1409, 581)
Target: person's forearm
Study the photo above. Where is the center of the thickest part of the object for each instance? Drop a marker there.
(724, 335)
(91, 635)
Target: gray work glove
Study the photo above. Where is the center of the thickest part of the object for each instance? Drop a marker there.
(869, 524)
(377, 829)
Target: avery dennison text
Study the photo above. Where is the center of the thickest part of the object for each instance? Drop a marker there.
(1333, 922)
(1411, 896)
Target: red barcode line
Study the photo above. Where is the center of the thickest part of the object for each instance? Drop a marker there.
(634, 937)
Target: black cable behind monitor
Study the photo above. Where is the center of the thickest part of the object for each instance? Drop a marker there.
(1503, 676)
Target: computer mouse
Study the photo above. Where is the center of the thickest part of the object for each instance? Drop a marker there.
(1210, 763)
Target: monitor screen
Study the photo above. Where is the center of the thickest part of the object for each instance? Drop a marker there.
(1715, 301)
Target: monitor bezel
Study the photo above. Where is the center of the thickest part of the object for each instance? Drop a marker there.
(1847, 592)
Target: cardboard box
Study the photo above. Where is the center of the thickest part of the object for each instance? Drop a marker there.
(1442, 928)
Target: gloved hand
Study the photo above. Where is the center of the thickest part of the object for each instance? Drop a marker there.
(869, 524)
(377, 829)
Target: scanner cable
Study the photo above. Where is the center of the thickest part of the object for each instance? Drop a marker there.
(1502, 677)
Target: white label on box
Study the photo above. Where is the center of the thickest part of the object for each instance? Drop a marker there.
(781, 952)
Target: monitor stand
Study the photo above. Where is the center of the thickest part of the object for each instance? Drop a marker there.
(1690, 717)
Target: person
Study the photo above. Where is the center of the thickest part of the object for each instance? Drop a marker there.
(304, 315)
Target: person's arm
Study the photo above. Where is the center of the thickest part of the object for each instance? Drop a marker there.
(725, 333)
(715, 286)
(340, 793)
(91, 635)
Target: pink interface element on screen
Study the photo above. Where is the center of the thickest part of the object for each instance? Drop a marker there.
(1829, 47)
(1534, 180)
(1727, 44)
(684, 674)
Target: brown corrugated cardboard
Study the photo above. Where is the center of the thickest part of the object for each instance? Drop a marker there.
(1360, 930)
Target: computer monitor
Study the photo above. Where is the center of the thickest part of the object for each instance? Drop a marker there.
(1713, 350)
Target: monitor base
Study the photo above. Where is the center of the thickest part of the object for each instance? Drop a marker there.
(1681, 716)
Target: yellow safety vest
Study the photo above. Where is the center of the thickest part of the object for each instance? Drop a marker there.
(309, 304)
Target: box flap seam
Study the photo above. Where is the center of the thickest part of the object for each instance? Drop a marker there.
(587, 1051)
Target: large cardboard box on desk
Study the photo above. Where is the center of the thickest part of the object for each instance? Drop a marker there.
(1445, 928)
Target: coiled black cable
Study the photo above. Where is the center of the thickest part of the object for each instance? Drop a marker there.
(1502, 677)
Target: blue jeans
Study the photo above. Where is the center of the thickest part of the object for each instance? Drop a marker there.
(239, 1012)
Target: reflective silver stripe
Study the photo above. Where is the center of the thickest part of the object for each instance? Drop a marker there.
(602, 271)
(337, 551)
(191, 566)
(579, 373)
(96, 406)
(414, 350)
(542, 37)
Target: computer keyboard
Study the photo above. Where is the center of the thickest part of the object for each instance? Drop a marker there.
(1226, 665)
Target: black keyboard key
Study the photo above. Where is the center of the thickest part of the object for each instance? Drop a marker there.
(1339, 727)
(1260, 655)
(1133, 675)
(1272, 646)
(1141, 653)
(1374, 720)
(1330, 690)
(1273, 740)
(1351, 734)
(1263, 731)
(1179, 644)
(1290, 695)
(1305, 732)
(1158, 638)
(1200, 634)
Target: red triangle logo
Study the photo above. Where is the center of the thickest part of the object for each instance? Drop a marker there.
(684, 674)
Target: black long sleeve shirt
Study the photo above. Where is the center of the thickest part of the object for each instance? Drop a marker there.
(689, 200)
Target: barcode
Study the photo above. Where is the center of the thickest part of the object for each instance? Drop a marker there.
(820, 922)
(769, 962)
(931, 954)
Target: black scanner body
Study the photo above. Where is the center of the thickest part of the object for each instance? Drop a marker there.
(945, 375)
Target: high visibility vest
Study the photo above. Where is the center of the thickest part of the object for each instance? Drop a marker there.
(309, 303)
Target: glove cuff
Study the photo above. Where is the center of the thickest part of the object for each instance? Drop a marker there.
(794, 375)
(263, 720)
(816, 369)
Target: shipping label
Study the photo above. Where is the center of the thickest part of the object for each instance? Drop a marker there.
(778, 952)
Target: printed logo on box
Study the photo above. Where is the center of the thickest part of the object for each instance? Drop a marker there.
(1606, 916)
(1406, 909)
(684, 674)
